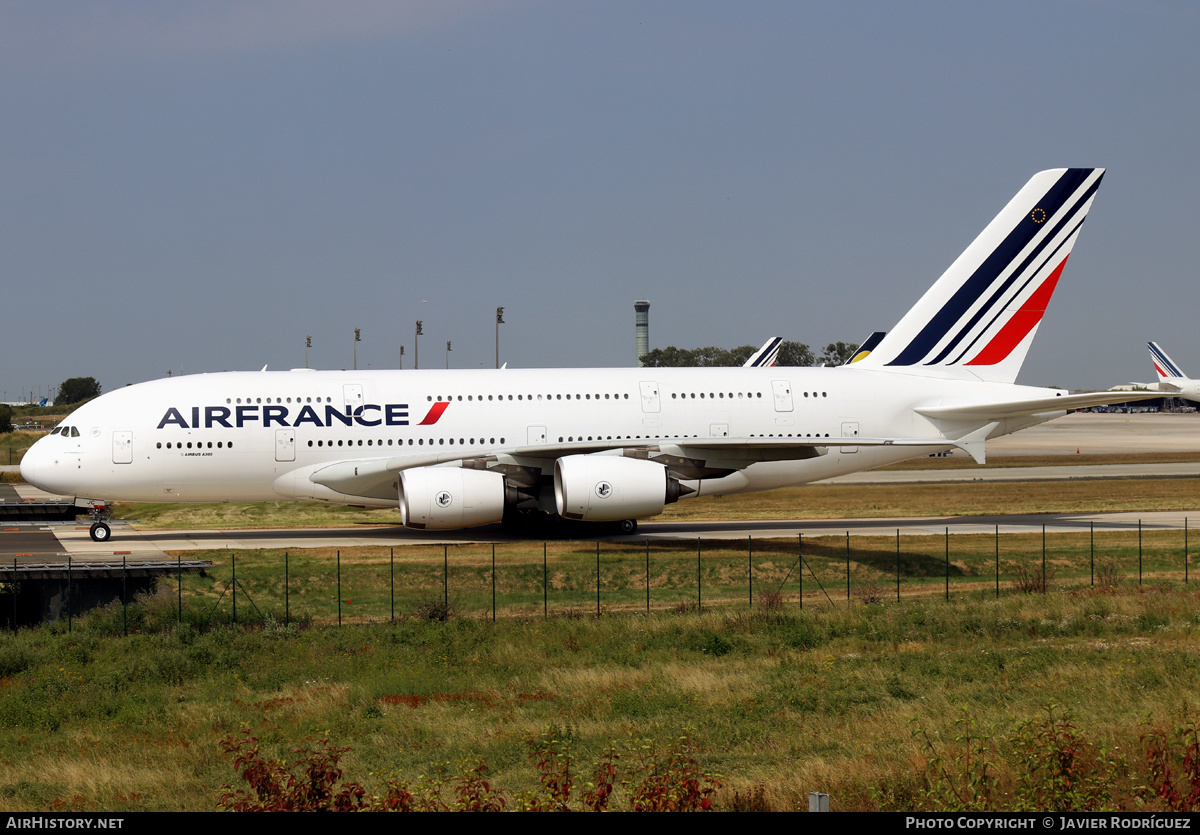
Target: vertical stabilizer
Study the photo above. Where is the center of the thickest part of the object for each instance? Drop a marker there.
(980, 317)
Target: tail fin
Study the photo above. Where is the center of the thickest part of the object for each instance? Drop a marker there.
(867, 347)
(765, 356)
(980, 317)
(1164, 365)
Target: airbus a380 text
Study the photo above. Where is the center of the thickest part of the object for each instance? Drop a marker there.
(456, 449)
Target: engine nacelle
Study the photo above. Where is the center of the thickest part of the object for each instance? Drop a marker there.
(609, 488)
(448, 498)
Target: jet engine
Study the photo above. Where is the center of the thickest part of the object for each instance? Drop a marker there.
(448, 498)
(608, 488)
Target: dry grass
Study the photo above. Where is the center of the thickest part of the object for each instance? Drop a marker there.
(836, 501)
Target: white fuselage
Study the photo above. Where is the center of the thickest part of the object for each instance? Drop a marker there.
(236, 436)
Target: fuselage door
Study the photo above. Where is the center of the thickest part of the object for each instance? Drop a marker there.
(718, 430)
(123, 447)
(850, 430)
(649, 396)
(353, 394)
(782, 390)
(537, 435)
(285, 444)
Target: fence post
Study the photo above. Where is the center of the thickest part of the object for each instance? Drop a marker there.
(800, 564)
(997, 562)
(339, 586)
(15, 594)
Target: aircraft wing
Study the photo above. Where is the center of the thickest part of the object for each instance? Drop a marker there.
(1020, 408)
(686, 458)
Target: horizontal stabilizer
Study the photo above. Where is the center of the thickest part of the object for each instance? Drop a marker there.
(1021, 408)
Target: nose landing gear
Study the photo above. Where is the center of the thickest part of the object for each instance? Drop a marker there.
(100, 513)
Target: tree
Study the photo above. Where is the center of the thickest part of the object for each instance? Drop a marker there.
(790, 353)
(5, 418)
(838, 353)
(76, 390)
(795, 355)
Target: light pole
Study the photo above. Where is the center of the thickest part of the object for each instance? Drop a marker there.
(447, 353)
(357, 339)
(307, 345)
(402, 356)
(499, 322)
(417, 344)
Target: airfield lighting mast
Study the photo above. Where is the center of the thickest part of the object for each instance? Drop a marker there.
(499, 322)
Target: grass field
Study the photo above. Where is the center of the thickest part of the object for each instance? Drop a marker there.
(883, 704)
(526, 579)
(835, 698)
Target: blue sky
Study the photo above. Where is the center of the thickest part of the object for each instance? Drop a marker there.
(197, 186)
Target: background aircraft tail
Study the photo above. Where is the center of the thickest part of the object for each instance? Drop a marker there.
(979, 319)
(1164, 365)
(765, 356)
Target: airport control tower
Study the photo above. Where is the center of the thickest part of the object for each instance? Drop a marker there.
(641, 329)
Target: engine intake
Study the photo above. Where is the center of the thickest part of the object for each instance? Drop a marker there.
(448, 498)
(609, 488)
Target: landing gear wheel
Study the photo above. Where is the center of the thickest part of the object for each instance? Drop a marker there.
(627, 526)
(100, 532)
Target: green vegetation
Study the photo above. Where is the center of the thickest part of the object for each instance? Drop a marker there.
(791, 354)
(77, 390)
(865, 702)
(370, 584)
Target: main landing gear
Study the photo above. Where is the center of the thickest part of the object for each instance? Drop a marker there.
(100, 513)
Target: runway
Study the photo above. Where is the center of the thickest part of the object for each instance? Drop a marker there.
(73, 540)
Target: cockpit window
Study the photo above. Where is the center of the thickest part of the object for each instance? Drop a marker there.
(74, 431)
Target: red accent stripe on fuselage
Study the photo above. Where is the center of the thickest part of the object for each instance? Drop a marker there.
(434, 414)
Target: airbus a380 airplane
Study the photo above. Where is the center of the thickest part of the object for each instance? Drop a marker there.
(461, 448)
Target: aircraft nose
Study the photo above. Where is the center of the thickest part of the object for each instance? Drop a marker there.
(41, 467)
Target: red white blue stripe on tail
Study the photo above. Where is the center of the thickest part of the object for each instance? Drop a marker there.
(979, 319)
(1164, 365)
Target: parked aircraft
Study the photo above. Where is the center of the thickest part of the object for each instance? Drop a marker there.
(1171, 379)
(459, 448)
